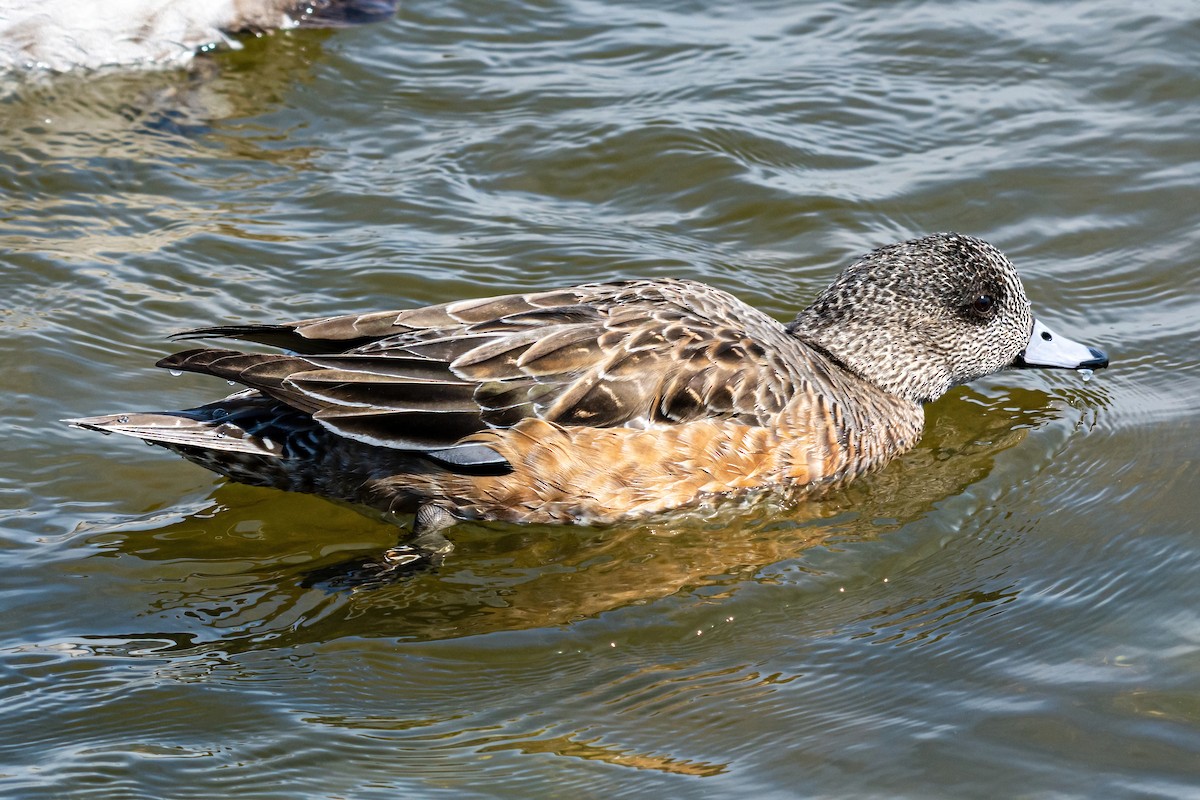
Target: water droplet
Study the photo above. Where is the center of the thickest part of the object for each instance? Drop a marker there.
(220, 434)
(122, 420)
(176, 372)
(232, 383)
(218, 413)
(1086, 374)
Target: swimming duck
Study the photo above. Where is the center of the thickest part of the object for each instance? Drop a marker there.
(59, 35)
(606, 402)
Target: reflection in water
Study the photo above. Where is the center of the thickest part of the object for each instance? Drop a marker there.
(144, 133)
(247, 588)
(424, 668)
(594, 750)
(970, 617)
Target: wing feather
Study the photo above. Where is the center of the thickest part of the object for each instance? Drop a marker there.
(631, 353)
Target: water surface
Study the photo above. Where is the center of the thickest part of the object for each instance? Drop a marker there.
(1009, 610)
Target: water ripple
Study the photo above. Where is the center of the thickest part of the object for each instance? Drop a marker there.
(1011, 602)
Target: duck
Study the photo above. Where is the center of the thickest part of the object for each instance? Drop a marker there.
(66, 35)
(604, 403)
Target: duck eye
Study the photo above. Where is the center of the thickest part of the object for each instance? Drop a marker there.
(984, 304)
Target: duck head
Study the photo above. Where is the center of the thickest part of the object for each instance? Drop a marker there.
(922, 316)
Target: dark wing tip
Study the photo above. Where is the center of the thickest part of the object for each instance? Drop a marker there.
(250, 332)
(322, 336)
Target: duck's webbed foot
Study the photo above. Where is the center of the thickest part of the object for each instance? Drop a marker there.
(425, 549)
(428, 546)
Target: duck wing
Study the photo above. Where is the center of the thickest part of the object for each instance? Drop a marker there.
(634, 353)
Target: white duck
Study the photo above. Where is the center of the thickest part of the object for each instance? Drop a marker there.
(60, 35)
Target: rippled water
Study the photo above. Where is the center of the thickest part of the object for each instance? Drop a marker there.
(1009, 610)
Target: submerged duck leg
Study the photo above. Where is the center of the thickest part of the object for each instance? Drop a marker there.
(427, 546)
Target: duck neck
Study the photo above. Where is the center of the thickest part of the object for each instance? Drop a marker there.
(872, 354)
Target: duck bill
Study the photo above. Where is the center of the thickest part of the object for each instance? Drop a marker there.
(1046, 349)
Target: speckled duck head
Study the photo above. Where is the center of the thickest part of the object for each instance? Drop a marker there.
(919, 317)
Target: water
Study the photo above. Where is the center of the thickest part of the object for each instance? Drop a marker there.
(1009, 610)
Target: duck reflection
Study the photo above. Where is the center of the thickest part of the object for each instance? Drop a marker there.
(258, 568)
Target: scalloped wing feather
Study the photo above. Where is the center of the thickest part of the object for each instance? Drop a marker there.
(635, 353)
